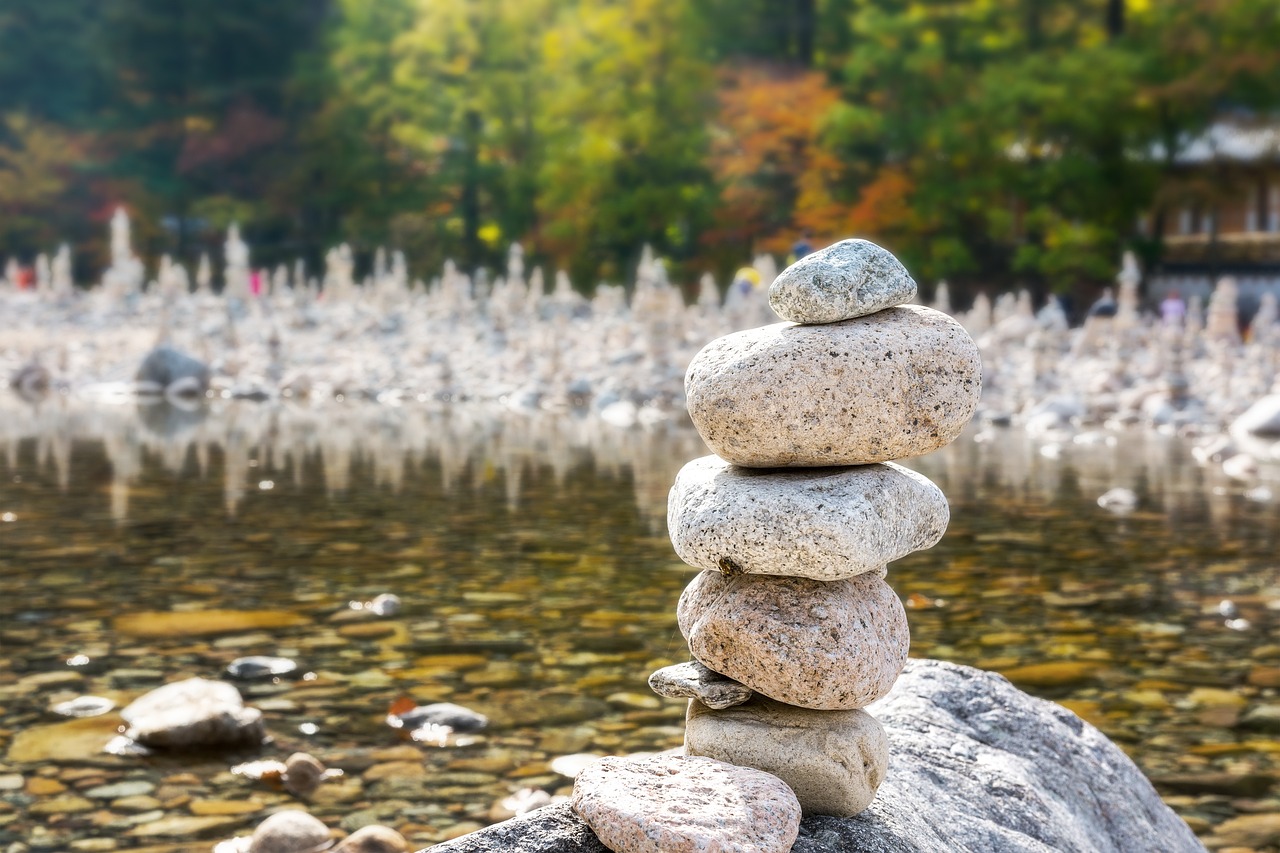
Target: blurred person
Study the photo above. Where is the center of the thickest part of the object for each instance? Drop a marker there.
(801, 247)
(746, 280)
(1105, 306)
(1173, 311)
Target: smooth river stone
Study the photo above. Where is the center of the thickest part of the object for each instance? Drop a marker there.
(833, 760)
(898, 383)
(673, 804)
(821, 523)
(692, 680)
(831, 646)
(849, 279)
(193, 714)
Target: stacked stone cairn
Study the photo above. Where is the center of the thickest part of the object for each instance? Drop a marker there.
(792, 627)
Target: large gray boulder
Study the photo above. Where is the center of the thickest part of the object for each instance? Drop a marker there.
(974, 764)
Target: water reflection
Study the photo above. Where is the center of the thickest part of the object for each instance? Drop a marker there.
(149, 543)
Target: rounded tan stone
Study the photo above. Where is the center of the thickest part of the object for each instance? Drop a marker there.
(672, 804)
(894, 384)
(827, 646)
(833, 760)
(821, 523)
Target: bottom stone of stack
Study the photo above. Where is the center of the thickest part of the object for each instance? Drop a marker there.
(676, 804)
(833, 760)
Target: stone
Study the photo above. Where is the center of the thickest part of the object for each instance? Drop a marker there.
(445, 714)
(260, 668)
(848, 279)
(828, 646)
(891, 385)
(692, 680)
(193, 714)
(166, 367)
(976, 764)
(203, 622)
(373, 839)
(288, 831)
(821, 523)
(673, 804)
(833, 760)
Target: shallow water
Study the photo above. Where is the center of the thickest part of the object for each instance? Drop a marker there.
(539, 588)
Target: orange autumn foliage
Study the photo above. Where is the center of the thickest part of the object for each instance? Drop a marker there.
(769, 160)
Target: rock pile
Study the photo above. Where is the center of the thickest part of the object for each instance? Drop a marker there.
(792, 627)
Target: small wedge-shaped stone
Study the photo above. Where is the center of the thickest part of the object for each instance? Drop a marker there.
(849, 279)
(672, 804)
(828, 646)
(833, 760)
(692, 680)
(894, 384)
(821, 523)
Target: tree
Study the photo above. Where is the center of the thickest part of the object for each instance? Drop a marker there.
(624, 135)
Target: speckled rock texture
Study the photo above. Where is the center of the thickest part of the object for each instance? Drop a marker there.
(193, 714)
(821, 523)
(849, 279)
(898, 383)
(673, 804)
(833, 760)
(692, 680)
(975, 764)
(830, 646)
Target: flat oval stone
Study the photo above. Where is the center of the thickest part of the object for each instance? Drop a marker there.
(673, 804)
(821, 523)
(692, 680)
(828, 646)
(849, 279)
(833, 760)
(894, 384)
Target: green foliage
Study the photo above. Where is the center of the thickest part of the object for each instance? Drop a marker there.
(984, 140)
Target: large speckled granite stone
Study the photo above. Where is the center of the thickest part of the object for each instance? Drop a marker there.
(898, 383)
(975, 764)
(673, 804)
(849, 279)
(829, 646)
(833, 760)
(821, 523)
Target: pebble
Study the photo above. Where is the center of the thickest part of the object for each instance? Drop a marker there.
(833, 760)
(445, 714)
(820, 523)
(847, 279)
(289, 831)
(373, 839)
(692, 680)
(888, 386)
(672, 804)
(83, 706)
(191, 714)
(258, 667)
(828, 646)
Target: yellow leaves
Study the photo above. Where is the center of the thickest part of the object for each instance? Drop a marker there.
(37, 165)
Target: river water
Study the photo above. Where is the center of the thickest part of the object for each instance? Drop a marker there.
(538, 587)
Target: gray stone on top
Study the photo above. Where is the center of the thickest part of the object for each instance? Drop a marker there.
(974, 764)
(898, 383)
(848, 279)
(821, 523)
(692, 680)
